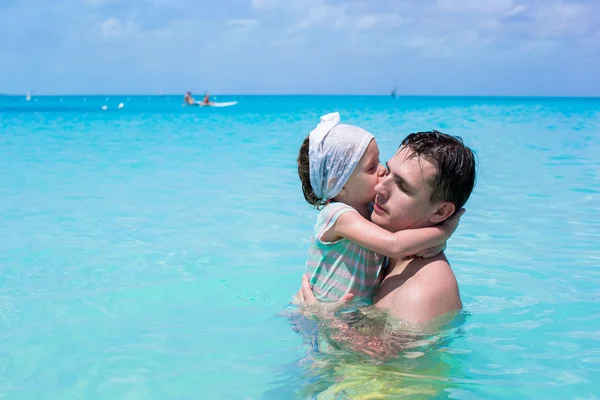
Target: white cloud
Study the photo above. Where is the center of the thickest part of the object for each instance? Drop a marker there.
(314, 15)
(517, 9)
(242, 22)
(556, 20)
(369, 21)
(435, 28)
(300, 15)
(113, 28)
(241, 25)
(353, 37)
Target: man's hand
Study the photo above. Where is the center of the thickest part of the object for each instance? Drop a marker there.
(305, 295)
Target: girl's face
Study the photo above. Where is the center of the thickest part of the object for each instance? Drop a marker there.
(360, 188)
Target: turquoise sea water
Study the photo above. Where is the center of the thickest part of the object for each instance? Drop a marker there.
(149, 252)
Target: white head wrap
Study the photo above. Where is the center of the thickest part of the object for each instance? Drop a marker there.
(334, 151)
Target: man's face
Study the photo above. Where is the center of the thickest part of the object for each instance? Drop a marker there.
(403, 194)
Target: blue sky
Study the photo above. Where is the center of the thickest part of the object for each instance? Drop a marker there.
(426, 47)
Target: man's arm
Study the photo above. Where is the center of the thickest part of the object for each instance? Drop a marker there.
(381, 345)
(425, 290)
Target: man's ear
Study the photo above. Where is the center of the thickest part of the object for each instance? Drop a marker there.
(444, 211)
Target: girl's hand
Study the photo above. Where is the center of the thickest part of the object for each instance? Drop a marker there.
(450, 225)
(432, 252)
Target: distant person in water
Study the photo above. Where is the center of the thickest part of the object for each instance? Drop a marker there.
(206, 99)
(188, 99)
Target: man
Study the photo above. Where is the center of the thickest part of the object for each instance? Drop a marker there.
(428, 180)
(188, 99)
(206, 99)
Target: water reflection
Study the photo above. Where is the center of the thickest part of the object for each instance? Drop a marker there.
(372, 357)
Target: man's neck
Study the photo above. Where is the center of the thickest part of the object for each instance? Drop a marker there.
(398, 265)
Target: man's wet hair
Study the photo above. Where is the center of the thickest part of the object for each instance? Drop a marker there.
(455, 164)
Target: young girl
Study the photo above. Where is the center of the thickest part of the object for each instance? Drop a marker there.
(339, 167)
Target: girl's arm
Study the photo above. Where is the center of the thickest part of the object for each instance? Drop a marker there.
(356, 228)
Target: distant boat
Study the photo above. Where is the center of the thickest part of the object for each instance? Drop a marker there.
(28, 97)
(215, 104)
(393, 94)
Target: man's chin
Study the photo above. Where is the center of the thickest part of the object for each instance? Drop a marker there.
(379, 220)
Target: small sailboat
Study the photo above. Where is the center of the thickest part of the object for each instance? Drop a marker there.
(28, 96)
(393, 94)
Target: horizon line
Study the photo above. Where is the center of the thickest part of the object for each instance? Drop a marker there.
(299, 95)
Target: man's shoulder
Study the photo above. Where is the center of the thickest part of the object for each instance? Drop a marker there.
(430, 292)
(438, 267)
(431, 275)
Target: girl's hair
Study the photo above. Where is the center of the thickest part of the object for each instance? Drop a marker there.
(304, 174)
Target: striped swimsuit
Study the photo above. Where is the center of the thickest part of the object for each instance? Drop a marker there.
(341, 267)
